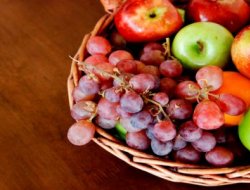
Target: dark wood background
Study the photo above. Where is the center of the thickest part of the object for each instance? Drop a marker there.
(36, 38)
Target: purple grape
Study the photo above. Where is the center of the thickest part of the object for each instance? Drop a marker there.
(141, 119)
(190, 132)
(83, 110)
(180, 109)
(161, 148)
(131, 102)
(206, 143)
(138, 140)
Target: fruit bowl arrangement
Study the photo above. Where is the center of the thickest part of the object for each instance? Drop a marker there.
(165, 86)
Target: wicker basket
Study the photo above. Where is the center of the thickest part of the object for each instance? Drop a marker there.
(169, 170)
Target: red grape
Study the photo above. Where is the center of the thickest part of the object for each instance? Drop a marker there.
(97, 58)
(127, 66)
(210, 77)
(207, 115)
(230, 104)
(138, 140)
(190, 132)
(161, 97)
(220, 135)
(140, 66)
(141, 120)
(188, 90)
(125, 122)
(168, 85)
(180, 109)
(164, 131)
(206, 143)
(78, 95)
(83, 110)
(98, 45)
(187, 155)
(149, 69)
(122, 79)
(179, 143)
(161, 148)
(122, 113)
(150, 132)
(143, 82)
(105, 84)
(113, 94)
(102, 71)
(117, 40)
(105, 123)
(107, 109)
(88, 86)
(131, 102)
(118, 55)
(150, 46)
(81, 133)
(171, 68)
(154, 57)
(219, 156)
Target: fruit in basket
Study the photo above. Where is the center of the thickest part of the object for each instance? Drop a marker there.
(230, 104)
(206, 143)
(81, 132)
(139, 20)
(118, 55)
(164, 131)
(138, 140)
(233, 14)
(220, 156)
(244, 130)
(201, 44)
(236, 84)
(98, 45)
(210, 77)
(163, 110)
(240, 51)
(188, 155)
(161, 148)
(207, 115)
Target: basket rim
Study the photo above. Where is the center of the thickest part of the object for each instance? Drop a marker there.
(169, 170)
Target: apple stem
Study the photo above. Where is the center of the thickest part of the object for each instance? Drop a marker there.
(200, 45)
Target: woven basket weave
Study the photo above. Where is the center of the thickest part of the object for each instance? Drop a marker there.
(169, 170)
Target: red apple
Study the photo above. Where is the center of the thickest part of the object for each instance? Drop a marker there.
(140, 20)
(233, 14)
(240, 51)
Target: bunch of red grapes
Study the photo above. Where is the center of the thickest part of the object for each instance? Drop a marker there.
(163, 108)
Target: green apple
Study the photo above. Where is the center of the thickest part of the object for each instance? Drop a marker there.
(202, 43)
(244, 130)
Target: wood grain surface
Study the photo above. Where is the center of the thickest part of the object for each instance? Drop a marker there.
(36, 38)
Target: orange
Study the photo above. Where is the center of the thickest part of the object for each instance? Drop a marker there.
(238, 85)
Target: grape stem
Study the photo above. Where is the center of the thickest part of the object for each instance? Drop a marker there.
(158, 105)
(92, 117)
(83, 65)
(203, 94)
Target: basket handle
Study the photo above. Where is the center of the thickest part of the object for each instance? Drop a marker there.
(111, 6)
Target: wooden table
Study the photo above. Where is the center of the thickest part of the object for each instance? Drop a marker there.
(36, 38)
